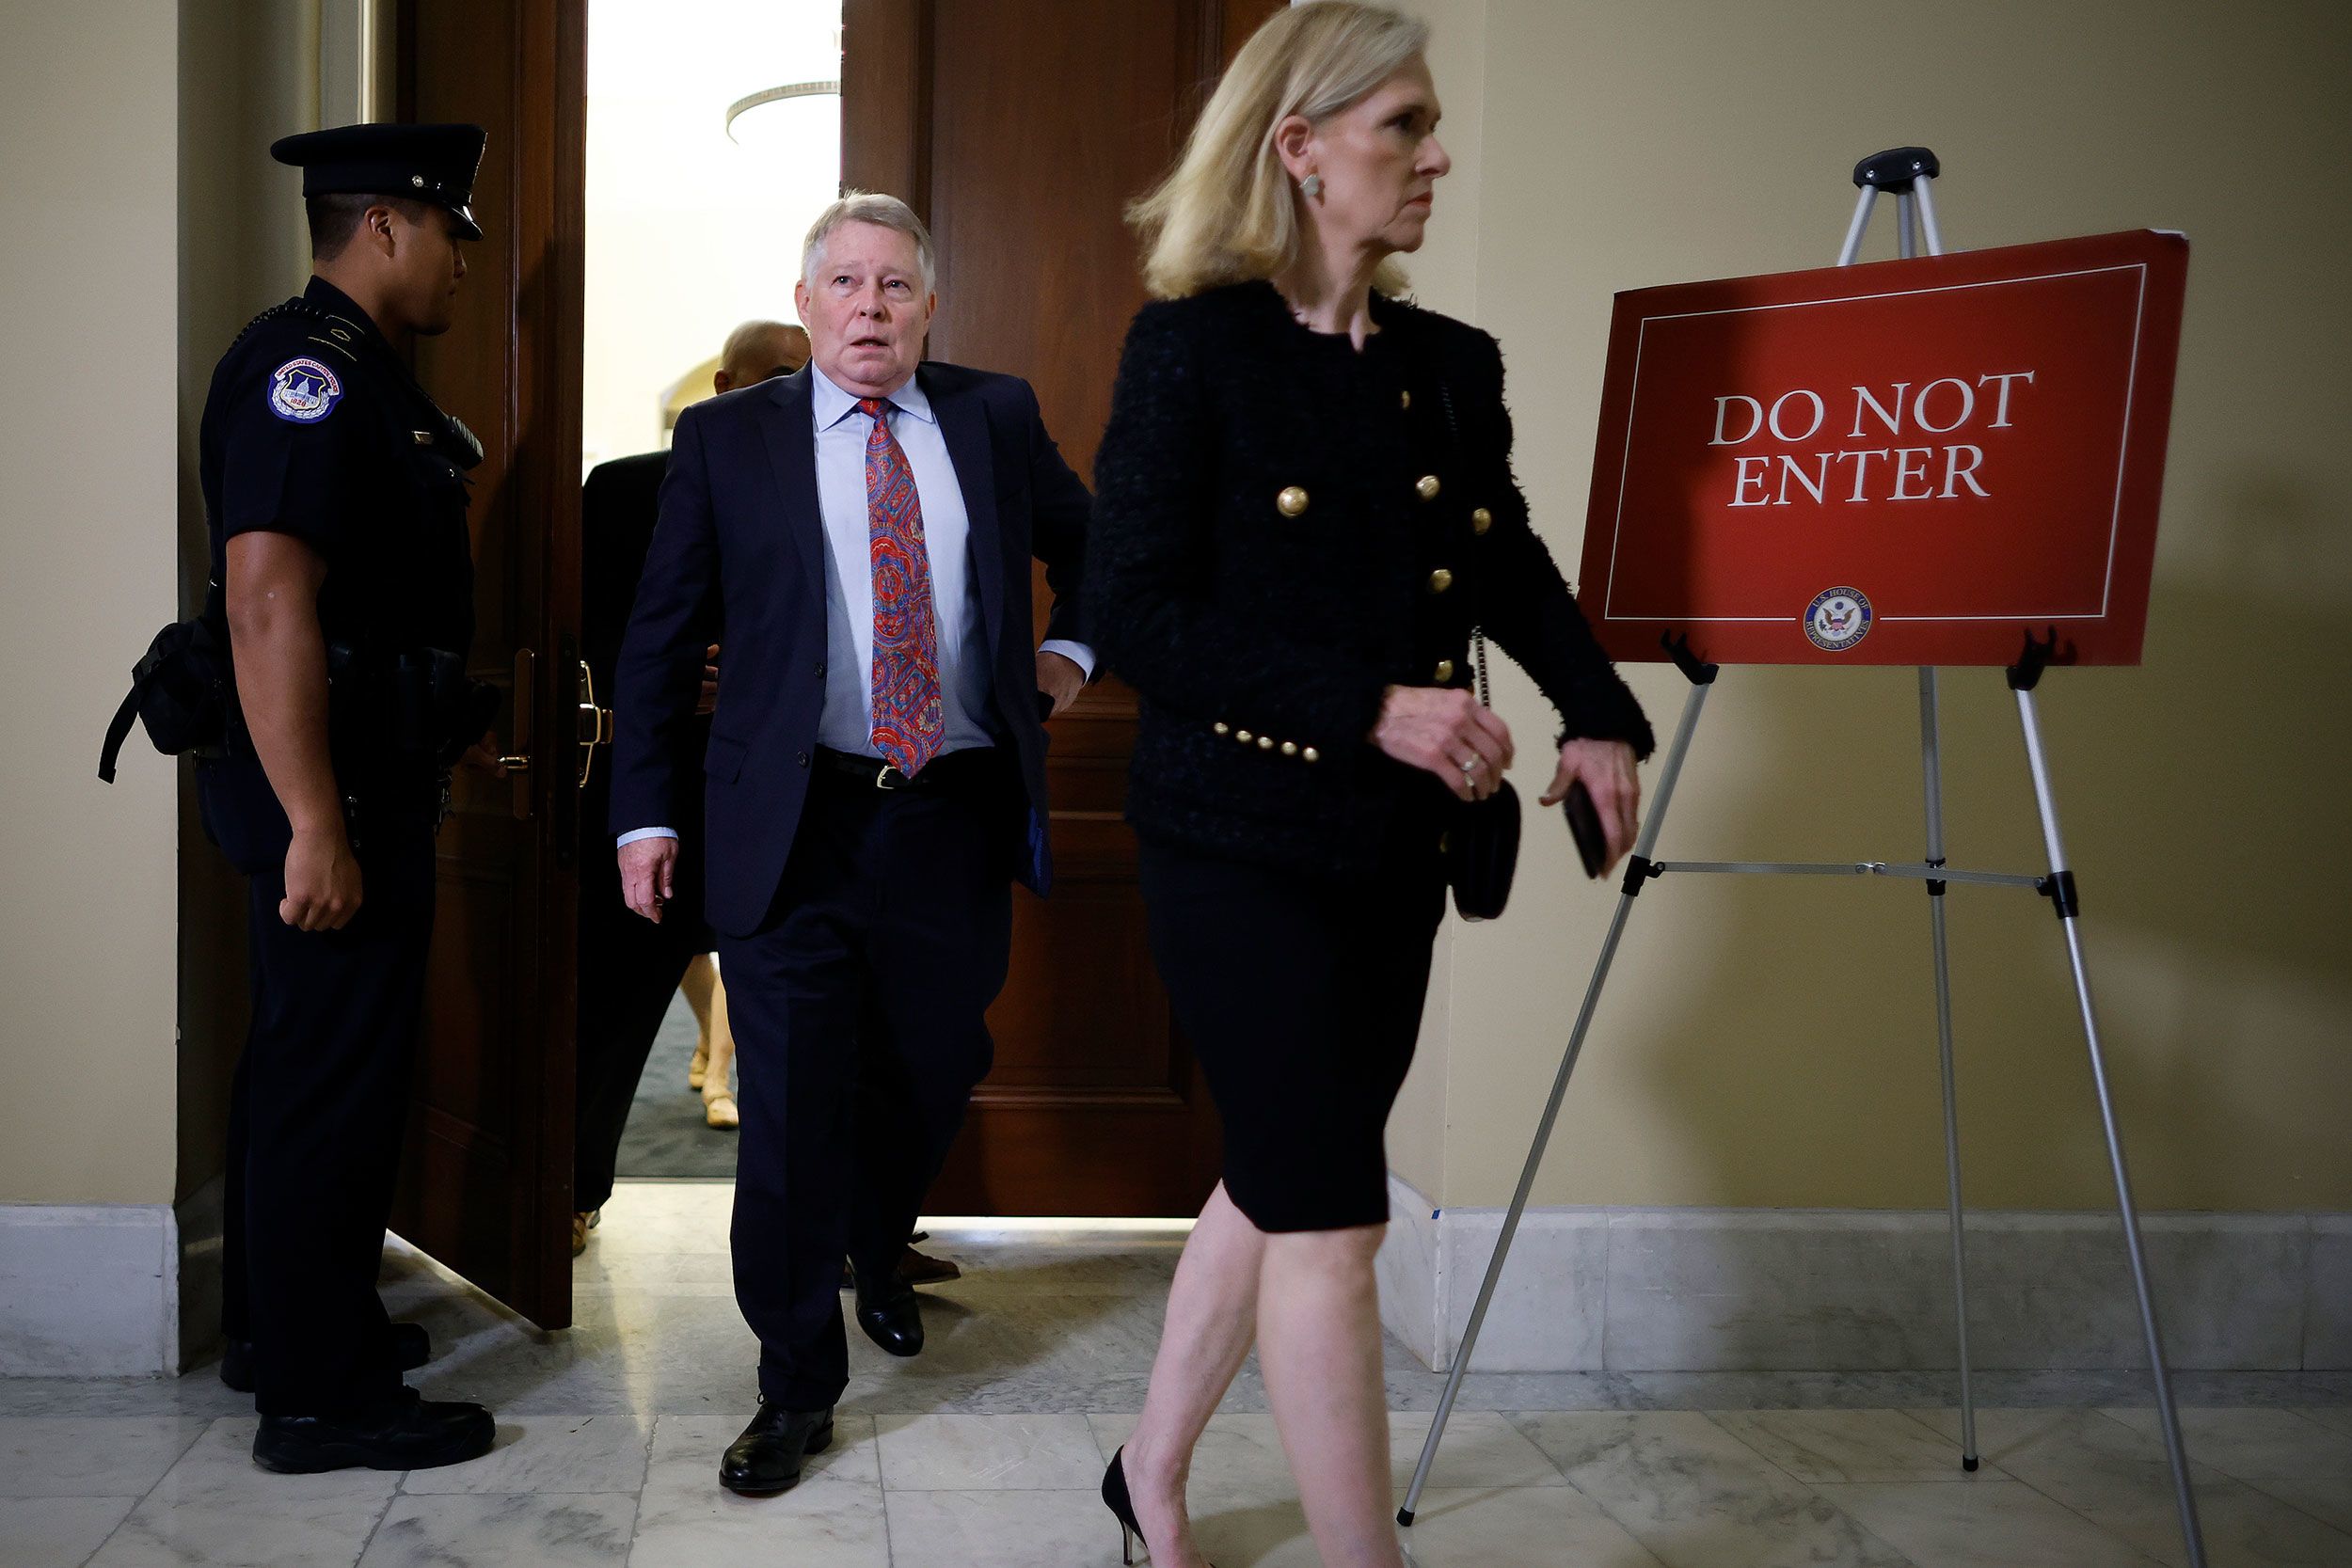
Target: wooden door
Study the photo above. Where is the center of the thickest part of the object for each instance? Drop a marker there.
(485, 1184)
(1020, 130)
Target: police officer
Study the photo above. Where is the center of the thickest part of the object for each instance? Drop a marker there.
(335, 494)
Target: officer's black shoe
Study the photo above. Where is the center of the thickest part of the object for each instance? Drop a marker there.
(889, 1312)
(412, 1348)
(766, 1458)
(403, 1434)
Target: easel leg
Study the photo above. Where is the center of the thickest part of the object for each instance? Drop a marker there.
(1932, 768)
(1635, 876)
(2062, 892)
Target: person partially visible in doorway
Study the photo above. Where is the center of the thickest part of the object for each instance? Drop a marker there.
(335, 494)
(876, 774)
(1305, 488)
(629, 968)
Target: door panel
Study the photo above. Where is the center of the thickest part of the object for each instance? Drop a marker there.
(486, 1186)
(1021, 129)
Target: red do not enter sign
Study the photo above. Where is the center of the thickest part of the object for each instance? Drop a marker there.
(1915, 462)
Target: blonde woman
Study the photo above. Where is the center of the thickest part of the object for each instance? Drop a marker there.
(1304, 491)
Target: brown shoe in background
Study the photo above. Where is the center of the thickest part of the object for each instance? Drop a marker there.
(581, 1225)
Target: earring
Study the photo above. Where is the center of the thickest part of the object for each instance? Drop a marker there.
(1312, 186)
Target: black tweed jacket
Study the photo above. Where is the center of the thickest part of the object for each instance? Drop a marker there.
(1283, 527)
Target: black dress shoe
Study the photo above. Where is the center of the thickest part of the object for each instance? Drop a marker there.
(404, 1433)
(890, 1313)
(766, 1458)
(412, 1348)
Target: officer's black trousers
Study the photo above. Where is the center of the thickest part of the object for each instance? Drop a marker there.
(315, 1120)
(858, 1010)
(629, 969)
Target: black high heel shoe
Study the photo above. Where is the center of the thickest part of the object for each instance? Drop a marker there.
(1115, 1497)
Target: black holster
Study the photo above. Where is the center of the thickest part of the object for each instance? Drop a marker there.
(181, 690)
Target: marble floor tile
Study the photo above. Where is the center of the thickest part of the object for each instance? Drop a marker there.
(1002, 1529)
(218, 1508)
(2254, 1445)
(56, 1532)
(2119, 1478)
(1485, 1526)
(1241, 1455)
(2335, 1418)
(90, 1456)
(1994, 1524)
(570, 1529)
(832, 1519)
(2283, 1453)
(551, 1453)
(971, 1453)
(1816, 1445)
(1698, 1497)
(1481, 1448)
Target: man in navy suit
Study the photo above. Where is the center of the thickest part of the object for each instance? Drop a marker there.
(875, 779)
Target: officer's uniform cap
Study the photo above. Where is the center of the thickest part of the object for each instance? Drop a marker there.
(425, 163)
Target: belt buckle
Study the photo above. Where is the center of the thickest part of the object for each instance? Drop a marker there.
(883, 777)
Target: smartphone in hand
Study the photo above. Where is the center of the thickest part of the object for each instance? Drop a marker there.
(1591, 842)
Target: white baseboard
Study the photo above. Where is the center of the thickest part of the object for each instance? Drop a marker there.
(1730, 1290)
(89, 1291)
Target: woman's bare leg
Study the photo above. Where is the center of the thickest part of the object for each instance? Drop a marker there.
(718, 1096)
(702, 975)
(1212, 1316)
(1319, 1347)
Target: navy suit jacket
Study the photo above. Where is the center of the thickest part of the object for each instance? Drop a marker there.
(741, 545)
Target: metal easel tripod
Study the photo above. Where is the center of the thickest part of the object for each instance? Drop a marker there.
(1907, 174)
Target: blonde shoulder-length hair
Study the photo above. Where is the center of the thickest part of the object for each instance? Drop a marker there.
(1227, 214)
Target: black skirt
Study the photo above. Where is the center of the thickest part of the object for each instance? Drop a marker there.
(1302, 997)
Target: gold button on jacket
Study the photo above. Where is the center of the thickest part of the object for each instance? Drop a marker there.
(1481, 520)
(1426, 487)
(1440, 580)
(1444, 670)
(1404, 399)
(1291, 501)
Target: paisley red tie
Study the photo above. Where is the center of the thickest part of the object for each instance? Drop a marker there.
(909, 722)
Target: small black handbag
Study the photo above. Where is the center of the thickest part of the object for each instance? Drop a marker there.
(1482, 837)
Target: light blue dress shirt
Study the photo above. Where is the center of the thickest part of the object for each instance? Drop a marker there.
(842, 430)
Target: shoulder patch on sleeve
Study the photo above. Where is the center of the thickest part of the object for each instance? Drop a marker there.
(304, 391)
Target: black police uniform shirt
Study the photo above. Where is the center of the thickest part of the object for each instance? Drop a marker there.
(315, 428)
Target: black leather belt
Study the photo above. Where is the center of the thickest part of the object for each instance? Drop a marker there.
(940, 772)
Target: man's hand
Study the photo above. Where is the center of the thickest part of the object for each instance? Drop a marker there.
(1607, 768)
(709, 699)
(1059, 678)
(484, 754)
(321, 881)
(649, 874)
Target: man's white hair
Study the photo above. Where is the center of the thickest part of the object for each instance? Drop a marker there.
(886, 212)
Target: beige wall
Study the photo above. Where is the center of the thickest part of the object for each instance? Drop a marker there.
(250, 71)
(88, 100)
(114, 326)
(1771, 1042)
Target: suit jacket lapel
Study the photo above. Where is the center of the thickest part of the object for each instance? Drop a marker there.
(789, 432)
(963, 424)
